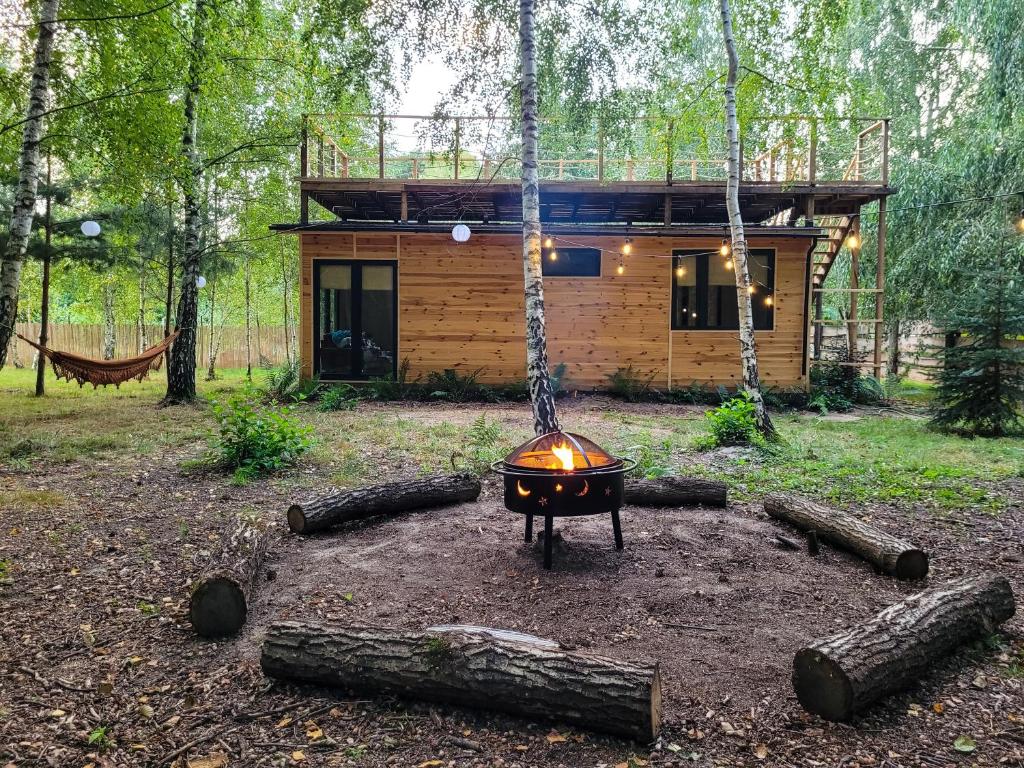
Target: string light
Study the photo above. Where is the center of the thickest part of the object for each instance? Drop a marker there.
(548, 242)
(621, 269)
(680, 271)
(750, 289)
(724, 249)
(768, 301)
(853, 241)
(728, 263)
(554, 256)
(627, 247)
(1020, 220)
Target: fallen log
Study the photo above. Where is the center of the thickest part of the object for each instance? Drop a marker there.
(675, 492)
(888, 553)
(358, 503)
(219, 601)
(837, 676)
(472, 667)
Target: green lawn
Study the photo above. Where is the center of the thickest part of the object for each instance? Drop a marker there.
(883, 456)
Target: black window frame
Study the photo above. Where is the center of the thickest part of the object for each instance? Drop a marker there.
(699, 260)
(357, 312)
(564, 258)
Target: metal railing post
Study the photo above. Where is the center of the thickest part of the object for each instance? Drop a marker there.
(458, 151)
(303, 146)
(812, 152)
(669, 154)
(380, 147)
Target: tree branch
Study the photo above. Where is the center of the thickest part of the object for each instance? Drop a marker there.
(113, 95)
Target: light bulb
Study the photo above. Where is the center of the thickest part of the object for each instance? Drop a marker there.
(853, 241)
(627, 247)
(693, 315)
(1020, 221)
(554, 256)
(680, 271)
(728, 263)
(620, 269)
(750, 289)
(768, 301)
(724, 249)
(548, 243)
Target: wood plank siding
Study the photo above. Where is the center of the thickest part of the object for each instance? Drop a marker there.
(461, 306)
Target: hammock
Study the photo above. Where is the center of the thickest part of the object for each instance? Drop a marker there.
(102, 372)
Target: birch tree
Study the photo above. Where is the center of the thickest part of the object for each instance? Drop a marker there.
(28, 176)
(181, 371)
(541, 394)
(748, 350)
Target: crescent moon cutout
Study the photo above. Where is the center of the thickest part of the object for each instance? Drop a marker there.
(586, 487)
(520, 490)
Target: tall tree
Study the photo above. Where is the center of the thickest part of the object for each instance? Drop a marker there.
(748, 350)
(28, 176)
(181, 373)
(541, 394)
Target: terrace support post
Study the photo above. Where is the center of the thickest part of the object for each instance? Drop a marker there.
(380, 147)
(457, 147)
(818, 330)
(812, 155)
(304, 146)
(880, 289)
(669, 154)
(320, 155)
(851, 326)
(405, 206)
(600, 151)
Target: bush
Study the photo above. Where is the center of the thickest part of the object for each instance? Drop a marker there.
(652, 460)
(340, 397)
(482, 443)
(457, 388)
(629, 385)
(395, 387)
(285, 384)
(733, 422)
(838, 385)
(256, 439)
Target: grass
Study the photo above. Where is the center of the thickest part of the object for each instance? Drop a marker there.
(873, 458)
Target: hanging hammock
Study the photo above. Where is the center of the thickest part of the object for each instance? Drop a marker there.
(102, 372)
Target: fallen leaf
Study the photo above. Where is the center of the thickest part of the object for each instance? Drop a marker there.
(284, 722)
(521, 748)
(938, 707)
(135, 660)
(145, 710)
(673, 748)
(313, 731)
(555, 738)
(298, 756)
(213, 760)
(979, 681)
(761, 751)
(965, 744)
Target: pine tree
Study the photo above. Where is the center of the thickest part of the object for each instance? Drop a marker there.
(980, 384)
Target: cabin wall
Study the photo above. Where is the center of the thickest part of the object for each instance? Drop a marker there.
(461, 306)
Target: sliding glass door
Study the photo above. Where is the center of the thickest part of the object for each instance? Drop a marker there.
(355, 319)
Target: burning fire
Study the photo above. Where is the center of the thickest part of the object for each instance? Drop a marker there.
(563, 453)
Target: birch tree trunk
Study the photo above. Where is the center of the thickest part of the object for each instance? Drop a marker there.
(212, 349)
(748, 352)
(169, 298)
(181, 372)
(109, 337)
(248, 318)
(541, 395)
(28, 177)
(141, 321)
(44, 298)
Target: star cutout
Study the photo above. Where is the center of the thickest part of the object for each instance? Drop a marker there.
(543, 501)
(607, 491)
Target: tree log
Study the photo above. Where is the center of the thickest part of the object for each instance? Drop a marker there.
(472, 667)
(357, 503)
(675, 492)
(888, 553)
(839, 675)
(219, 601)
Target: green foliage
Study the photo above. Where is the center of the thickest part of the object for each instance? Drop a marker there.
(733, 422)
(837, 385)
(980, 384)
(5, 572)
(286, 384)
(653, 458)
(101, 738)
(455, 387)
(339, 397)
(256, 439)
(482, 443)
(629, 385)
(392, 387)
(695, 394)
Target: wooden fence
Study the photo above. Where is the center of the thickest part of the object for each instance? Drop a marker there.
(87, 340)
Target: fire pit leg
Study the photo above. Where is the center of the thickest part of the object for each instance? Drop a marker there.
(548, 535)
(617, 529)
(529, 529)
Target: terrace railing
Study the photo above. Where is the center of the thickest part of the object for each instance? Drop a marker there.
(788, 149)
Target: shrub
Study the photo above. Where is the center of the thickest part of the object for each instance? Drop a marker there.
(256, 439)
(285, 384)
(458, 388)
(629, 385)
(836, 385)
(652, 459)
(395, 387)
(340, 397)
(482, 443)
(733, 422)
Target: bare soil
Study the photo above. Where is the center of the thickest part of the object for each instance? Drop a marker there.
(94, 635)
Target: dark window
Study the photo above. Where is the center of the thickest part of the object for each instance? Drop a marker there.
(571, 262)
(704, 290)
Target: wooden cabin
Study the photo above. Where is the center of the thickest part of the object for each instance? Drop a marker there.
(635, 274)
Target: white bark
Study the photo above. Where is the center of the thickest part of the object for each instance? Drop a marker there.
(748, 351)
(109, 335)
(543, 399)
(181, 372)
(28, 176)
(248, 318)
(141, 321)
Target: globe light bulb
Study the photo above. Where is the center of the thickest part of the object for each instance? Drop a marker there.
(621, 269)
(554, 256)
(724, 249)
(680, 271)
(728, 264)
(768, 301)
(853, 241)
(750, 289)
(548, 242)
(627, 247)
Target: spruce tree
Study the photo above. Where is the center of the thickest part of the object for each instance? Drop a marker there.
(980, 383)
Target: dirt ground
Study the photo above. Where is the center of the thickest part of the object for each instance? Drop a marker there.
(94, 640)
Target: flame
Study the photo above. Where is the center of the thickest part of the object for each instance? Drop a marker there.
(563, 453)
(520, 490)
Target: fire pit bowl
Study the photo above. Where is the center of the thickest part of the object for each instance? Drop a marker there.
(561, 474)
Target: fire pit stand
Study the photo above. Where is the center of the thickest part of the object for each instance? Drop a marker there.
(563, 475)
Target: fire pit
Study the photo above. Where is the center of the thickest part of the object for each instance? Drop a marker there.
(562, 475)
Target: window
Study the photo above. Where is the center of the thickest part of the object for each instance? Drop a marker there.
(704, 290)
(571, 262)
